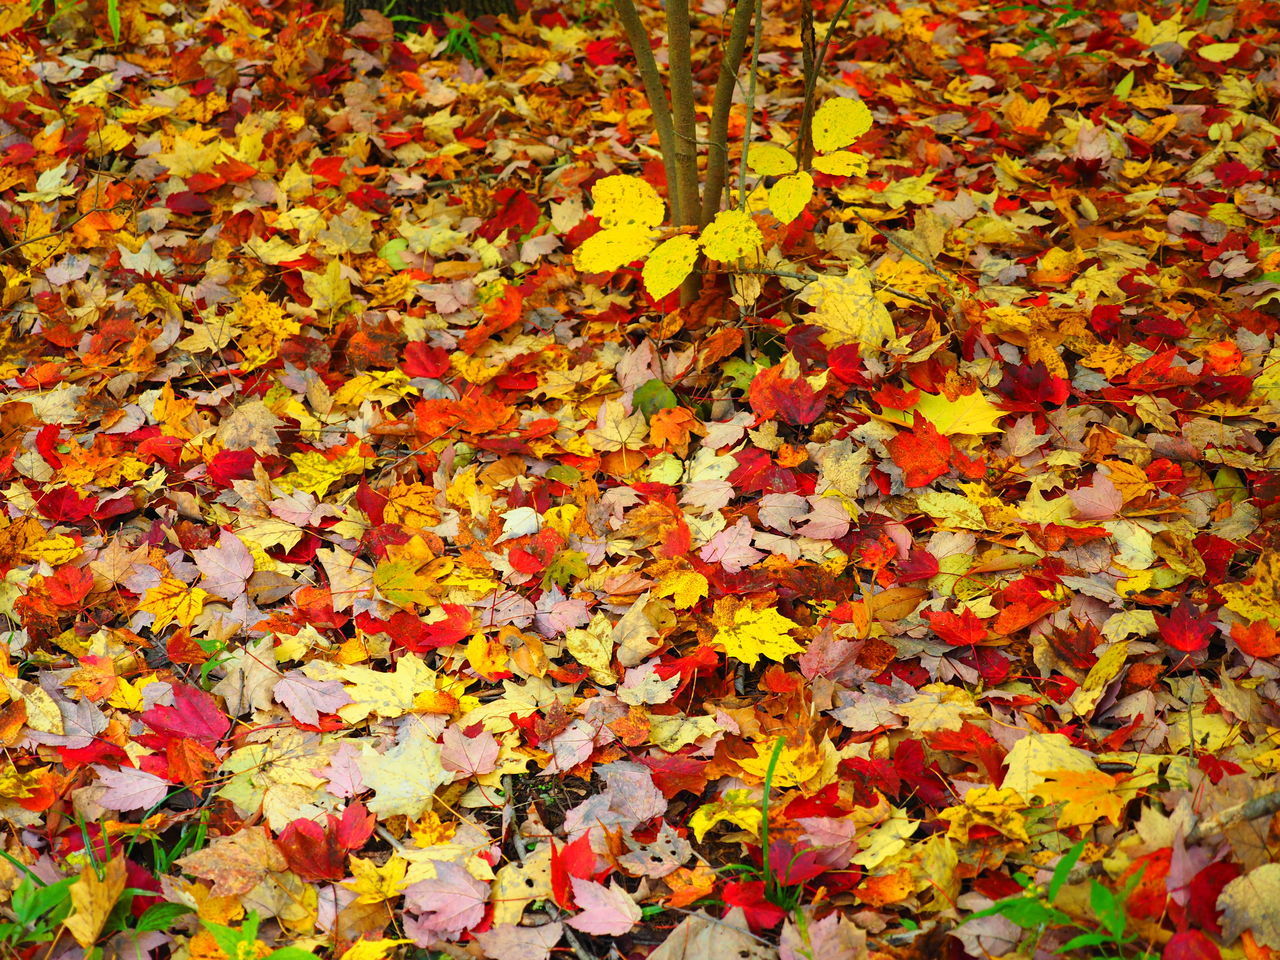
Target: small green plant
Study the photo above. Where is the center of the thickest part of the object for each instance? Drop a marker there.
(57, 9)
(1033, 910)
(38, 910)
(460, 41)
(244, 941)
(1067, 12)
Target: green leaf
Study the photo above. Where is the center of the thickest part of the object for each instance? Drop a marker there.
(291, 953)
(113, 19)
(161, 915)
(563, 473)
(1124, 87)
(652, 396)
(391, 250)
(1063, 870)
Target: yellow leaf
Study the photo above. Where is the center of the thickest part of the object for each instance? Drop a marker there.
(377, 883)
(1000, 808)
(171, 600)
(795, 765)
(316, 473)
(788, 197)
(1260, 598)
(1219, 52)
(770, 159)
(841, 164)
(92, 900)
(593, 648)
(848, 310)
(730, 236)
(519, 884)
(1036, 756)
(739, 807)
(384, 694)
(373, 949)
(328, 291)
(970, 414)
(627, 201)
(885, 841)
(686, 588)
(839, 123)
(612, 248)
(753, 634)
(1089, 795)
(668, 265)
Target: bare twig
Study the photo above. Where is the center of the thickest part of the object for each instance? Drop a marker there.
(804, 143)
(1266, 805)
(751, 103)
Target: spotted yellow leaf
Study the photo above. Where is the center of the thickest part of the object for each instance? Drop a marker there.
(730, 236)
(770, 160)
(613, 248)
(627, 201)
(668, 265)
(842, 163)
(847, 310)
(788, 197)
(839, 123)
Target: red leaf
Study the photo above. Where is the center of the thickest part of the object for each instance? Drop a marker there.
(964, 630)
(776, 397)
(69, 585)
(749, 895)
(1190, 945)
(312, 852)
(354, 828)
(923, 454)
(194, 714)
(1185, 629)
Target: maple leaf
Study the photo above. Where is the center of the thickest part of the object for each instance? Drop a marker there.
(747, 634)
(848, 310)
(1088, 795)
(172, 600)
(924, 454)
(605, 911)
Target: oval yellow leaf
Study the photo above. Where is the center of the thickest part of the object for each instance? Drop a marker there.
(839, 123)
(668, 266)
(1219, 52)
(842, 163)
(730, 236)
(770, 160)
(625, 201)
(612, 248)
(788, 197)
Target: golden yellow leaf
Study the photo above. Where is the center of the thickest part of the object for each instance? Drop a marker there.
(752, 634)
(848, 310)
(669, 265)
(376, 883)
(92, 899)
(685, 588)
(1037, 756)
(1219, 52)
(1089, 795)
(739, 807)
(770, 159)
(842, 163)
(593, 648)
(627, 201)
(795, 764)
(612, 248)
(373, 949)
(788, 197)
(1000, 808)
(838, 123)
(171, 600)
(972, 413)
(730, 236)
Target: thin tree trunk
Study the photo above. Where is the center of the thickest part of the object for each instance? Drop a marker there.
(718, 133)
(679, 50)
(654, 92)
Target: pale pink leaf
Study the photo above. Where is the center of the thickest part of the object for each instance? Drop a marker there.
(130, 789)
(606, 911)
(468, 755)
(510, 942)
(449, 904)
(226, 566)
(731, 548)
(306, 699)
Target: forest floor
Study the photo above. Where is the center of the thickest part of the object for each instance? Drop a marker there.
(378, 584)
